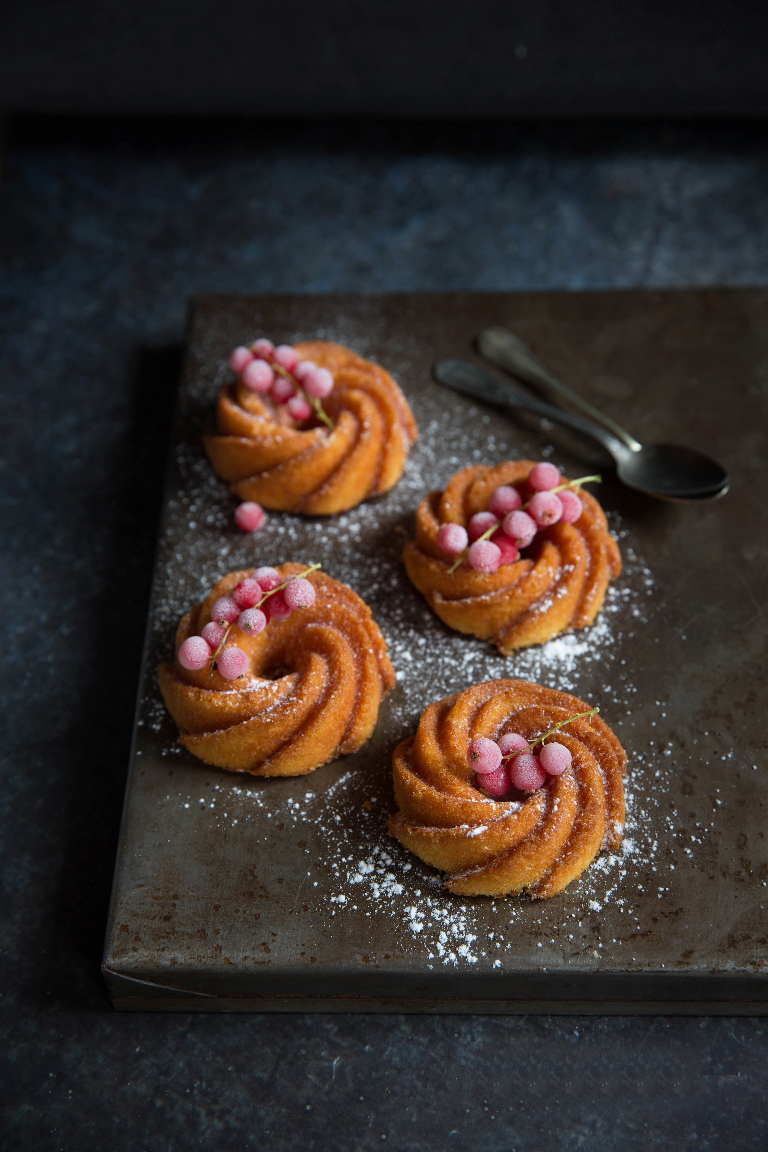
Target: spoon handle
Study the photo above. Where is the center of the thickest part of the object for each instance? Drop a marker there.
(476, 382)
(507, 350)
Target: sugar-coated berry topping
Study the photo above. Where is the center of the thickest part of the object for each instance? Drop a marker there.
(572, 506)
(520, 527)
(252, 621)
(214, 634)
(543, 477)
(480, 523)
(298, 408)
(452, 538)
(231, 663)
(318, 383)
(282, 390)
(508, 548)
(263, 347)
(225, 610)
(239, 358)
(286, 356)
(484, 755)
(512, 742)
(484, 556)
(555, 758)
(268, 578)
(495, 783)
(248, 592)
(249, 517)
(276, 607)
(194, 653)
(545, 508)
(526, 773)
(302, 368)
(258, 376)
(299, 593)
(505, 499)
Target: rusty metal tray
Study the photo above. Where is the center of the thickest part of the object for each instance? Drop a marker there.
(234, 893)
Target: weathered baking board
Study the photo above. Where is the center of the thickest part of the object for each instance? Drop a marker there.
(243, 894)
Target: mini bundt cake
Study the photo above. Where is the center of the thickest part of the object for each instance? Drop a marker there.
(535, 842)
(555, 583)
(291, 465)
(309, 691)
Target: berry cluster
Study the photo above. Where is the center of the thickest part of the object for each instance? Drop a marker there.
(258, 598)
(289, 380)
(509, 524)
(511, 763)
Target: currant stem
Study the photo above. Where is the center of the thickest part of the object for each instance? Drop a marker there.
(569, 484)
(546, 736)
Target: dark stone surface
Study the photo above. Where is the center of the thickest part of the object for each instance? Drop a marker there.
(105, 231)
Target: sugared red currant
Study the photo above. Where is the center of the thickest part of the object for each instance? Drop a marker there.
(263, 347)
(299, 593)
(239, 357)
(258, 376)
(318, 383)
(231, 663)
(572, 506)
(555, 758)
(505, 499)
(249, 517)
(268, 578)
(495, 783)
(194, 653)
(214, 633)
(543, 477)
(520, 527)
(252, 621)
(526, 773)
(512, 742)
(298, 408)
(480, 523)
(225, 610)
(545, 508)
(282, 390)
(276, 607)
(509, 550)
(248, 592)
(302, 368)
(452, 538)
(484, 556)
(286, 356)
(484, 755)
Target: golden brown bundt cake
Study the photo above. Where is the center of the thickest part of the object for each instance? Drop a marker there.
(291, 465)
(309, 691)
(555, 583)
(531, 841)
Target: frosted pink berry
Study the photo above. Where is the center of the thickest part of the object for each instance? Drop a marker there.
(544, 477)
(225, 610)
(239, 358)
(452, 538)
(248, 593)
(298, 408)
(480, 523)
(495, 783)
(286, 356)
(214, 634)
(555, 758)
(572, 506)
(484, 556)
(249, 517)
(194, 653)
(282, 390)
(512, 742)
(263, 347)
(268, 578)
(231, 663)
(484, 755)
(545, 508)
(276, 607)
(299, 593)
(252, 621)
(505, 499)
(318, 383)
(526, 773)
(508, 548)
(258, 376)
(303, 368)
(520, 527)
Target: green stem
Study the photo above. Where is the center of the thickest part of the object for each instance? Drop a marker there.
(546, 736)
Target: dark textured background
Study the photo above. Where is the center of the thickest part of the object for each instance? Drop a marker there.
(105, 230)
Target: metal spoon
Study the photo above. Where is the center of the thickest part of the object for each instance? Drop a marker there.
(665, 471)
